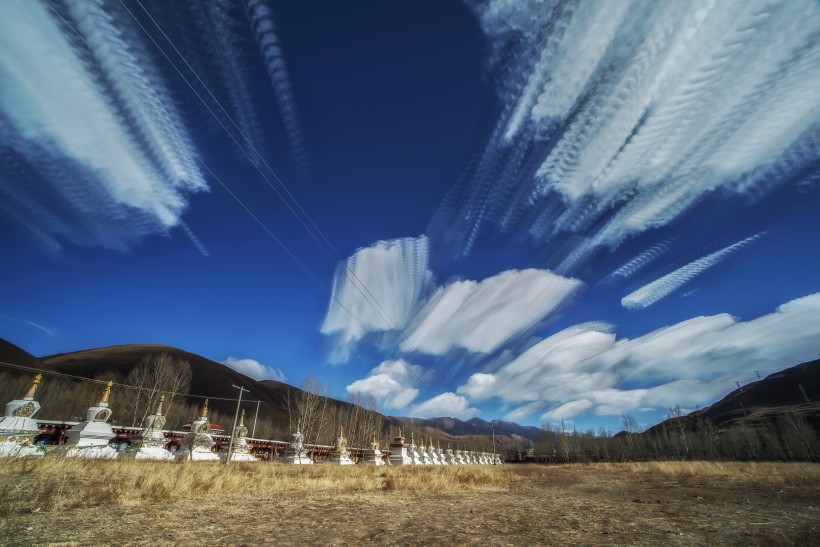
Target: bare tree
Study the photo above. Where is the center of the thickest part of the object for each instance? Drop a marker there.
(156, 375)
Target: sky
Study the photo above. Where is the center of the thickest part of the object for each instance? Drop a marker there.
(555, 213)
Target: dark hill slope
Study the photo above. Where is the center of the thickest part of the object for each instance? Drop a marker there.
(9, 353)
(775, 395)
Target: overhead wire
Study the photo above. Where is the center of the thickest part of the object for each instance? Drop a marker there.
(327, 246)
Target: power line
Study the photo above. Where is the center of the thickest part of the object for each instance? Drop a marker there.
(118, 384)
(327, 247)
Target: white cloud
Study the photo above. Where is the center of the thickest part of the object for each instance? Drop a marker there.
(481, 316)
(376, 289)
(254, 369)
(393, 382)
(691, 363)
(89, 172)
(635, 111)
(661, 287)
(447, 405)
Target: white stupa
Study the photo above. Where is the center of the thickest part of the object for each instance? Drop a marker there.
(89, 439)
(150, 443)
(449, 457)
(196, 445)
(296, 453)
(415, 459)
(338, 455)
(442, 457)
(497, 459)
(423, 454)
(373, 456)
(459, 457)
(431, 451)
(18, 426)
(398, 451)
(241, 450)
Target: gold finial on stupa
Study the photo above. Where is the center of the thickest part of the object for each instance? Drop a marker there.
(33, 388)
(400, 435)
(421, 442)
(242, 418)
(159, 406)
(107, 393)
(341, 431)
(374, 436)
(412, 438)
(204, 413)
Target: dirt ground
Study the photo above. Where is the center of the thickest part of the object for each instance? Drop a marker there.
(540, 505)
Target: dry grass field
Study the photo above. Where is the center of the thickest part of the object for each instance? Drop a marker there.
(53, 501)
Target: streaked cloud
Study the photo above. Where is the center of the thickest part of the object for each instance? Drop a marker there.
(524, 411)
(481, 316)
(375, 290)
(264, 27)
(392, 383)
(93, 141)
(254, 369)
(694, 362)
(661, 287)
(633, 113)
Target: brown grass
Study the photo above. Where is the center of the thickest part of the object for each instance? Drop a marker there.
(56, 483)
(804, 474)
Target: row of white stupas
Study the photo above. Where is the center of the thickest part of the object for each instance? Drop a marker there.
(91, 438)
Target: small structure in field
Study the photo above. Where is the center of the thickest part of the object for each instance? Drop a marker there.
(149, 444)
(412, 451)
(241, 450)
(398, 451)
(196, 445)
(18, 426)
(339, 455)
(373, 456)
(459, 456)
(449, 457)
(424, 456)
(296, 453)
(431, 450)
(89, 439)
(442, 458)
(497, 459)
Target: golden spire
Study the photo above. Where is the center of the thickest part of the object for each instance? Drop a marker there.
(242, 418)
(33, 388)
(374, 435)
(412, 438)
(400, 432)
(204, 410)
(159, 406)
(421, 442)
(107, 391)
(341, 431)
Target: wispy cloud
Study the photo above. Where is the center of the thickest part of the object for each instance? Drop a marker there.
(585, 368)
(376, 289)
(633, 112)
(654, 291)
(254, 369)
(270, 47)
(639, 262)
(481, 316)
(93, 142)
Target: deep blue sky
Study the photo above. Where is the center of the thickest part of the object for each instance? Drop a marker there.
(532, 212)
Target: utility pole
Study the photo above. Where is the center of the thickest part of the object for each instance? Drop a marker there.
(738, 385)
(253, 433)
(758, 375)
(235, 417)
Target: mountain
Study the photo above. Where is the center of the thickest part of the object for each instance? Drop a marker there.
(476, 427)
(766, 399)
(209, 378)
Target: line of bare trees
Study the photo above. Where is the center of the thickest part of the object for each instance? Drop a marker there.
(787, 437)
